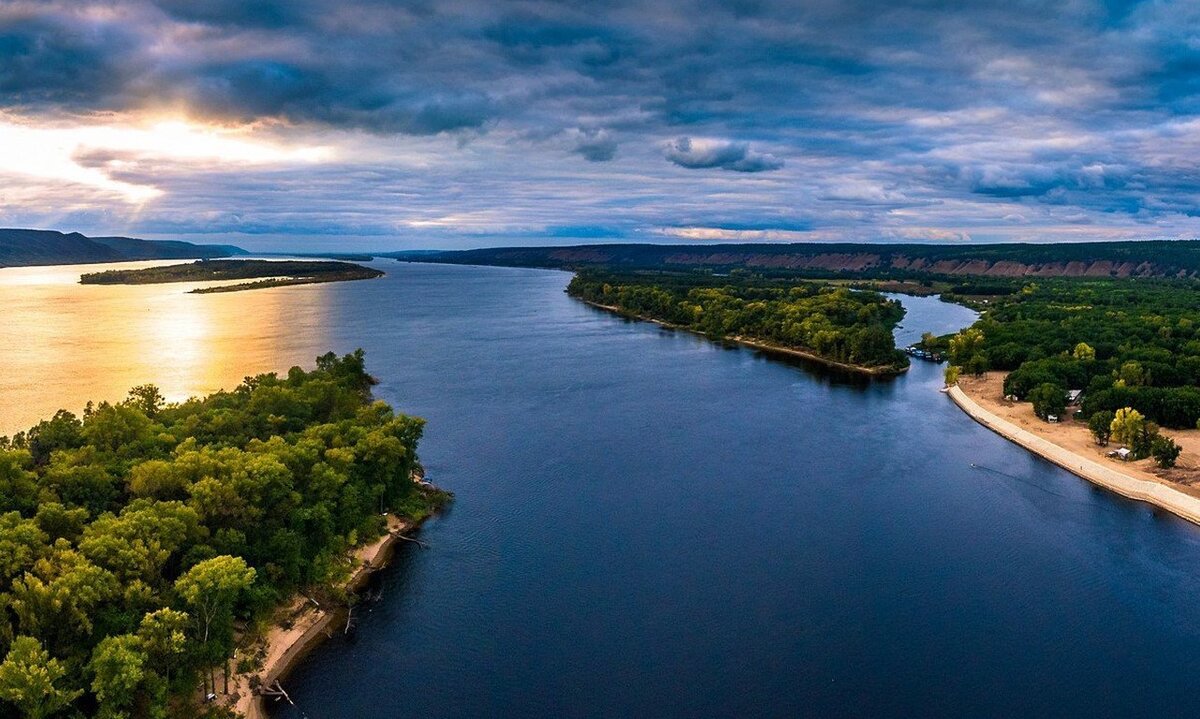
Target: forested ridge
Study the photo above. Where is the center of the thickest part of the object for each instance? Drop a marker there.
(139, 540)
(1159, 258)
(834, 323)
(46, 247)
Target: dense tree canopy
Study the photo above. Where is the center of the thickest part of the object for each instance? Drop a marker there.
(1126, 343)
(835, 323)
(132, 538)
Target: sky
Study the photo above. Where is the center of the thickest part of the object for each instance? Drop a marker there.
(365, 124)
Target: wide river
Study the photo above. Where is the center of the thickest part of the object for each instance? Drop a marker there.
(648, 524)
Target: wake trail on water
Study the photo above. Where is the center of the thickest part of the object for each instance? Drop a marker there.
(1047, 490)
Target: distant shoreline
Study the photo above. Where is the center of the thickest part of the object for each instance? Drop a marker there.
(1158, 494)
(258, 274)
(890, 371)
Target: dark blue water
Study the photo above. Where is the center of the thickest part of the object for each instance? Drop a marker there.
(650, 525)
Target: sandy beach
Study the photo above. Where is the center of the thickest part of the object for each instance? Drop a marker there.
(305, 626)
(1070, 445)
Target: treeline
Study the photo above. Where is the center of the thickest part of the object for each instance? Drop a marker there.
(1126, 343)
(134, 537)
(835, 323)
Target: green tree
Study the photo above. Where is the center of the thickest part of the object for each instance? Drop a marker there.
(139, 542)
(210, 588)
(18, 485)
(118, 668)
(31, 679)
(22, 543)
(1131, 374)
(951, 375)
(965, 345)
(1143, 442)
(1165, 451)
(59, 522)
(147, 398)
(1048, 399)
(1100, 425)
(123, 516)
(1127, 424)
(57, 601)
(164, 638)
(977, 364)
(119, 428)
(63, 431)
(1083, 351)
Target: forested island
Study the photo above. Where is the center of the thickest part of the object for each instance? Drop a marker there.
(266, 273)
(833, 325)
(143, 542)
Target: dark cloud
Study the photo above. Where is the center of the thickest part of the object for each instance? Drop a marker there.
(596, 146)
(237, 13)
(963, 115)
(61, 63)
(725, 155)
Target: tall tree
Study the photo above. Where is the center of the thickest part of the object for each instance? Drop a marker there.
(210, 588)
(118, 668)
(1100, 425)
(30, 678)
(1127, 425)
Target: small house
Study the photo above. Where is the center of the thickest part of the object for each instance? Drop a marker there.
(1073, 397)
(1121, 453)
(1052, 418)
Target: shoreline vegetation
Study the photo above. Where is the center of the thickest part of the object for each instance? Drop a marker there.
(302, 625)
(1068, 367)
(263, 273)
(853, 329)
(175, 560)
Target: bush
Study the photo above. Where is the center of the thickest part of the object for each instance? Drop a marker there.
(951, 375)
(1165, 451)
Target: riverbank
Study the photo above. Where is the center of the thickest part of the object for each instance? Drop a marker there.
(889, 371)
(1127, 479)
(305, 625)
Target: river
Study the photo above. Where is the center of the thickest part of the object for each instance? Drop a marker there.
(648, 524)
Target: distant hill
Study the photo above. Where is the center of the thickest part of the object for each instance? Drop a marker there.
(1091, 259)
(47, 247)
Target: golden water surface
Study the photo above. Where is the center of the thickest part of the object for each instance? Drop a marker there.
(63, 343)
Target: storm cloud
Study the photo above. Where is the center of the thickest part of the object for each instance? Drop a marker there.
(468, 122)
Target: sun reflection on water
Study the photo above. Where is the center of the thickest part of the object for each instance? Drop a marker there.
(62, 343)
